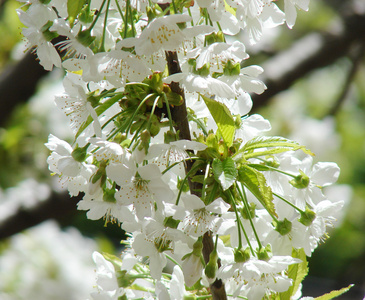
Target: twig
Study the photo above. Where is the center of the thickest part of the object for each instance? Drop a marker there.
(314, 51)
(356, 61)
(57, 206)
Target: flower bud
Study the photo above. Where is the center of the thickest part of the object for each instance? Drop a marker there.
(100, 174)
(79, 154)
(197, 248)
(212, 266)
(231, 69)
(237, 121)
(264, 253)
(124, 279)
(171, 222)
(301, 181)
(307, 217)
(174, 98)
(151, 14)
(86, 16)
(145, 138)
(271, 161)
(169, 137)
(48, 35)
(251, 211)
(204, 70)
(283, 227)
(155, 82)
(108, 195)
(85, 38)
(241, 256)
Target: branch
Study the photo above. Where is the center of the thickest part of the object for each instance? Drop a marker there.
(57, 206)
(18, 83)
(356, 61)
(312, 52)
(180, 117)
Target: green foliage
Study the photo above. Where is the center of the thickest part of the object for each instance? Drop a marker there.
(223, 118)
(335, 293)
(297, 272)
(275, 145)
(74, 7)
(10, 28)
(225, 172)
(255, 182)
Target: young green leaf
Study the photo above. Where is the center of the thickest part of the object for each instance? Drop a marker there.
(334, 294)
(255, 182)
(225, 172)
(275, 145)
(223, 118)
(297, 272)
(74, 7)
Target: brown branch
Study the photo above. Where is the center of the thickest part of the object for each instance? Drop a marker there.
(356, 61)
(57, 206)
(18, 83)
(180, 118)
(312, 52)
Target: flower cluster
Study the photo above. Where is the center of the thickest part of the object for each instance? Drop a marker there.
(158, 100)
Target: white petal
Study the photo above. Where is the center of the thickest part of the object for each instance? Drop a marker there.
(325, 173)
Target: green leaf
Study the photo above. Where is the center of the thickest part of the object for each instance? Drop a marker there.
(334, 294)
(278, 145)
(297, 272)
(225, 172)
(73, 9)
(255, 182)
(99, 110)
(223, 118)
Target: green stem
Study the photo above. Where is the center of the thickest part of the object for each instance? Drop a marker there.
(240, 226)
(191, 171)
(178, 162)
(245, 202)
(279, 171)
(102, 48)
(136, 134)
(97, 16)
(174, 6)
(126, 18)
(136, 111)
(173, 260)
(113, 118)
(152, 112)
(168, 112)
(288, 202)
(120, 11)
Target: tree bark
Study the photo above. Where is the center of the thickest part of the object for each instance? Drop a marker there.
(180, 118)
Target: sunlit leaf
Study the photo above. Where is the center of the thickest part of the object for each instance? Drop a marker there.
(255, 182)
(297, 272)
(73, 9)
(273, 145)
(223, 118)
(334, 294)
(225, 172)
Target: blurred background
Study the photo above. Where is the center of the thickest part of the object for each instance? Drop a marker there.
(315, 76)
